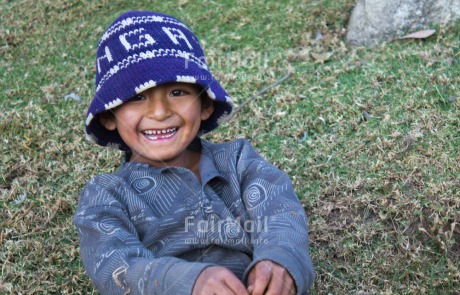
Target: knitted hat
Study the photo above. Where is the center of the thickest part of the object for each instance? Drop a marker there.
(140, 50)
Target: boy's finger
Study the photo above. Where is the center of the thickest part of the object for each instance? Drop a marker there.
(223, 289)
(281, 283)
(251, 280)
(276, 286)
(263, 276)
(235, 285)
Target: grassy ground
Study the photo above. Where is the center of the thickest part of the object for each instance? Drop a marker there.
(370, 137)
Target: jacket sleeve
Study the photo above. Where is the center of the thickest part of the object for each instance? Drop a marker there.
(280, 231)
(113, 255)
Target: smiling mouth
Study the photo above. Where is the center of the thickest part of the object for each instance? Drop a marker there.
(155, 134)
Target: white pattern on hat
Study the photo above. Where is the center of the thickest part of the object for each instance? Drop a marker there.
(137, 20)
(113, 104)
(145, 86)
(89, 118)
(211, 94)
(128, 46)
(114, 70)
(127, 22)
(186, 79)
(107, 55)
(134, 59)
(228, 99)
(174, 36)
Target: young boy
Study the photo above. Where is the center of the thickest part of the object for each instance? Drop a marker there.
(181, 215)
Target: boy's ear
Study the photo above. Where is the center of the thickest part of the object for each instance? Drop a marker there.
(207, 109)
(107, 119)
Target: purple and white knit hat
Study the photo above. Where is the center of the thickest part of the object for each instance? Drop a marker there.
(142, 49)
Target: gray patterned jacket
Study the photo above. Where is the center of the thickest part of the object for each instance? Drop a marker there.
(145, 230)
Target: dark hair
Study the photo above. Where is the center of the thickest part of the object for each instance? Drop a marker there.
(205, 100)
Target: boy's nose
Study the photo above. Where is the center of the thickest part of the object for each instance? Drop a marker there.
(158, 108)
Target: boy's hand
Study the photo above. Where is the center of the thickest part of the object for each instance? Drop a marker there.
(218, 280)
(267, 277)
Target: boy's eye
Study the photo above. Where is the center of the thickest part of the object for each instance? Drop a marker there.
(137, 97)
(178, 92)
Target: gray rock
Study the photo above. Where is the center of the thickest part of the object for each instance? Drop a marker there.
(374, 21)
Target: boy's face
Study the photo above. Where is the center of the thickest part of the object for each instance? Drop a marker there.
(159, 123)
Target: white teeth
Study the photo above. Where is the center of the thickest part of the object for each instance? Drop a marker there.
(162, 133)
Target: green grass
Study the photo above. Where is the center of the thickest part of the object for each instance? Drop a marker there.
(381, 191)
